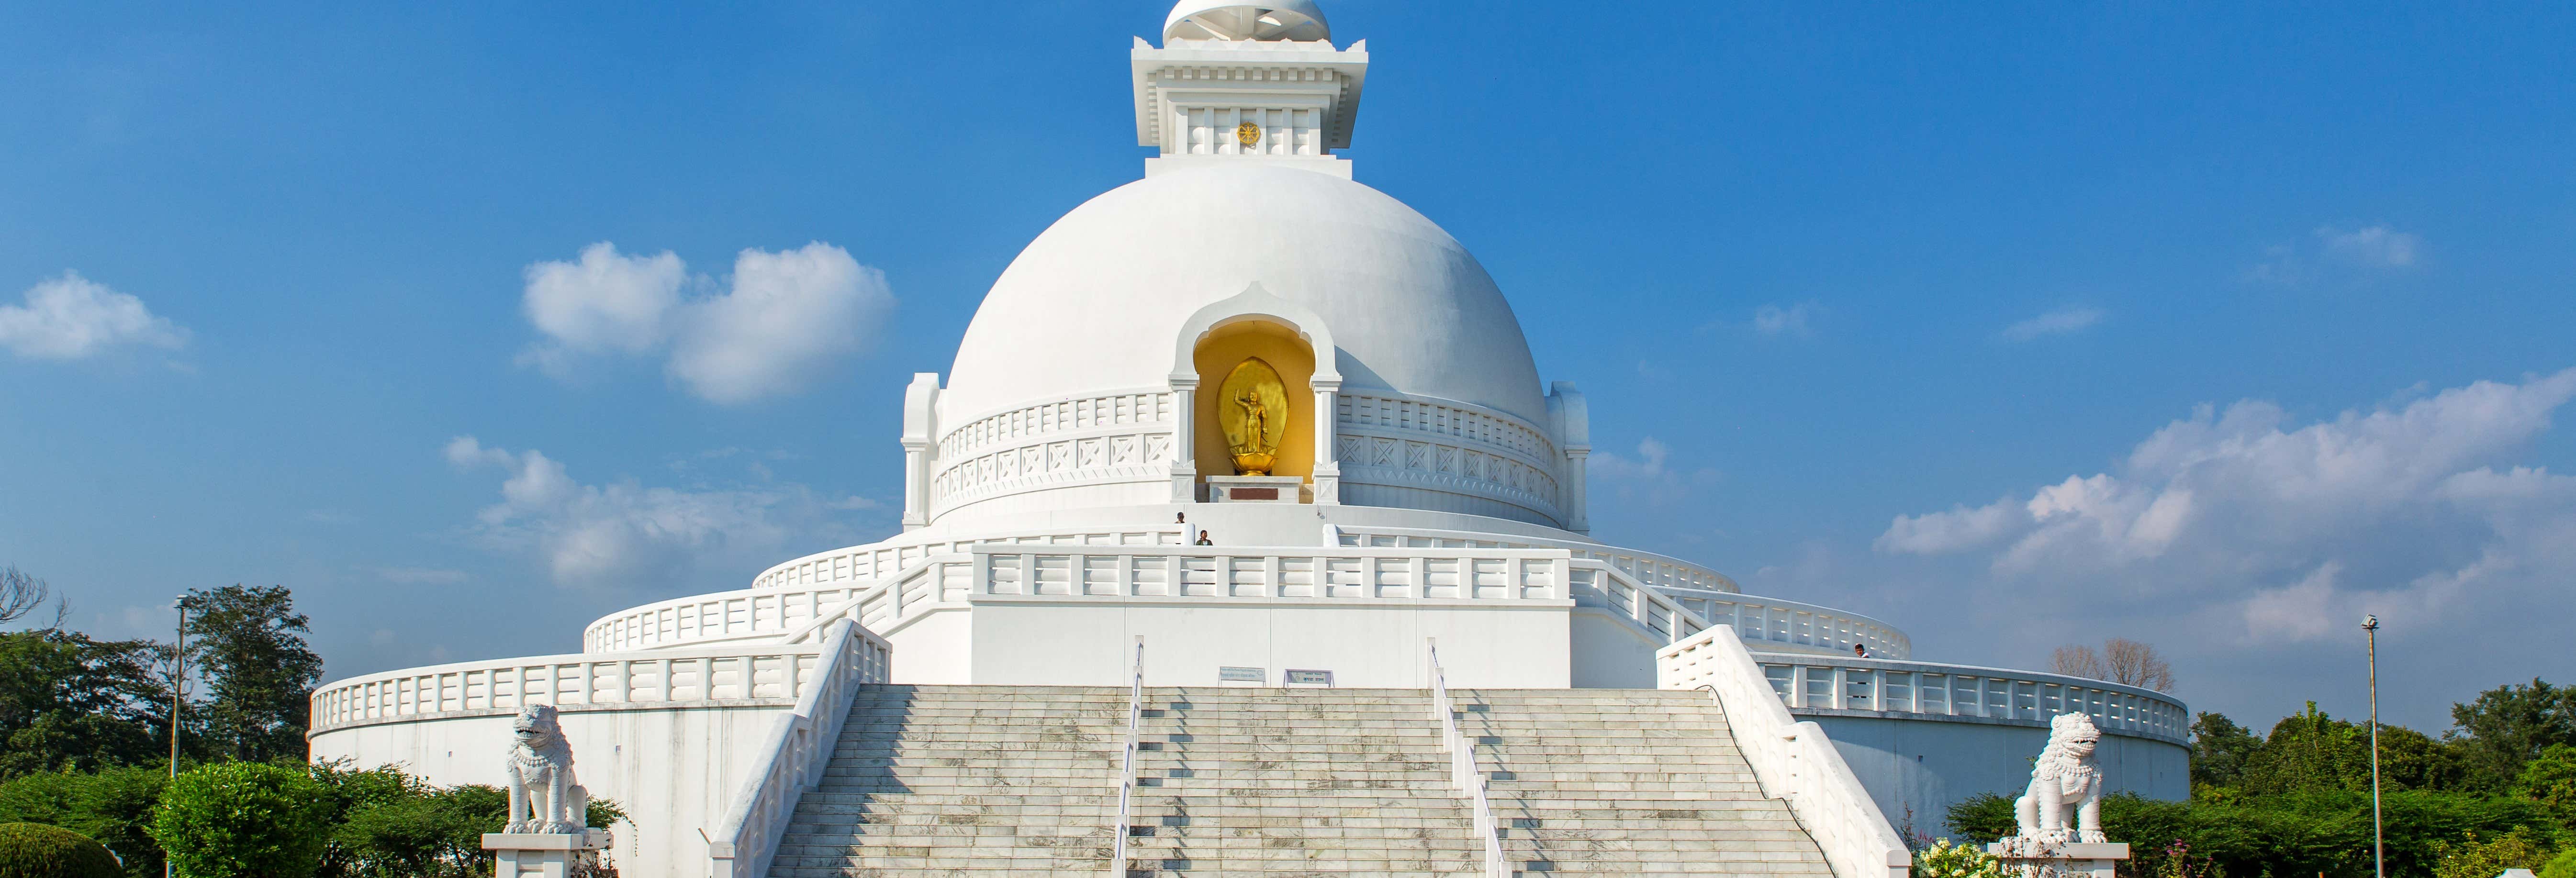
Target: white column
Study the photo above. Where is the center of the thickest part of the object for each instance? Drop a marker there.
(920, 425)
(1328, 464)
(1578, 518)
(1185, 460)
(1573, 419)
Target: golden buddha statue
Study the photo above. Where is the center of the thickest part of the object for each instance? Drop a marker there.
(1253, 409)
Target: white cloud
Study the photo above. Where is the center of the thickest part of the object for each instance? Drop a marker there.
(2404, 509)
(605, 303)
(1796, 321)
(2058, 322)
(1649, 477)
(789, 315)
(623, 532)
(1648, 464)
(785, 317)
(2378, 246)
(1939, 532)
(71, 317)
(2339, 253)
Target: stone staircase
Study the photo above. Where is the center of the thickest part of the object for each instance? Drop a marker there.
(987, 780)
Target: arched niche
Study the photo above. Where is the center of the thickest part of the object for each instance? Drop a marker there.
(1294, 341)
(1222, 348)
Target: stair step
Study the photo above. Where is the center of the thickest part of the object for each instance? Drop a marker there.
(990, 780)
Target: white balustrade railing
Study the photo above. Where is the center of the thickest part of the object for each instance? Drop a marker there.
(934, 583)
(1792, 759)
(1118, 828)
(750, 674)
(714, 618)
(2031, 698)
(787, 615)
(795, 755)
(1468, 782)
(1269, 572)
(1763, 622)
(885, 558)
(1660, 571)
(1776, 625)
(1596, 583)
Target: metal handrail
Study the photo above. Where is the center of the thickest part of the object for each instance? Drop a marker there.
(1462, 767)
(1127, 765)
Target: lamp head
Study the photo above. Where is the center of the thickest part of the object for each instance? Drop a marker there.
(2370, 623)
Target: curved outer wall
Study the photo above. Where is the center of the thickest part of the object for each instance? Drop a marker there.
(674, 769)
(1921, 765)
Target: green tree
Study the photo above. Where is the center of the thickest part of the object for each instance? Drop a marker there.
(2509, 725)
(243, 820)
(2561, 866)
(249, 643)
(2550, 781)
(70, 702)
(2219, 748)
(349, 793)
(2309, 751)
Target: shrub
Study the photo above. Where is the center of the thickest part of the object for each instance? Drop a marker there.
(34, 850)
(2299, 834)
(113, 807)
(2471, 858)
(244, 820)
(1945, 860)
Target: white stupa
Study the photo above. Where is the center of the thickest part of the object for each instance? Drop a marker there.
(1101, 467)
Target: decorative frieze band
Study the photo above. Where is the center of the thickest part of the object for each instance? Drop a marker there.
(1111, 438)
(1011, 428)
(1448, 468)
(1459, 424)
(1131, 457)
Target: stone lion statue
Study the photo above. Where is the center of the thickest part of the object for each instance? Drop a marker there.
(544, 797)
(2064, 801)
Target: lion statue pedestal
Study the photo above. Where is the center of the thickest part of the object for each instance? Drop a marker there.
(2060, 814)
(548, 834)
(544, 854)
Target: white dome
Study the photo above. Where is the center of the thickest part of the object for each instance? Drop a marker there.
(1096, 303)
(1235, 20)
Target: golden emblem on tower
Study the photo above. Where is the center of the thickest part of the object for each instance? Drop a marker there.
(1253, 408)
(1247, 134)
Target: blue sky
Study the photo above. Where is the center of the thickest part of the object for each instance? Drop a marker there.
(1855, 292)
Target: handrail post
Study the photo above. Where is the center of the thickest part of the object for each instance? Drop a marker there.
(1469, 782)
(1127, 764)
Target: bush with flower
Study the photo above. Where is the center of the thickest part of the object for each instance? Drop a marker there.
(1946, 860)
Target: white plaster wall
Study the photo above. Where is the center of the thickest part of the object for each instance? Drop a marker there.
(937, 649)
(1609, 653)
(1491, 644)
(675, 770)
(1927, 763)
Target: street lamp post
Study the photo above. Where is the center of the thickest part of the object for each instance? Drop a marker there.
(178, 684)
(2378, 841)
